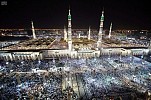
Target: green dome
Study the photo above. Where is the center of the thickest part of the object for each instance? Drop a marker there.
(69, 16)
(102, 18)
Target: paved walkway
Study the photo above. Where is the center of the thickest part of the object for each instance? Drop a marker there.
(81, 87)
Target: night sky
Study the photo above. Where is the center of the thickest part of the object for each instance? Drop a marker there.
(124, 14)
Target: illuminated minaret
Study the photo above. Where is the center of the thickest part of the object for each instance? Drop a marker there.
(65, 34)
(69, 32)
(110, 30)
(79, 35)
(100, 30)
(33, 30)
(89, 34)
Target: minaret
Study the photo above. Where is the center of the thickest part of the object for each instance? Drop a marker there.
(69, 32)
(100, 30)
(110, 30)
(65, 34)
(33, 30)
(79, 35)
(89, 33)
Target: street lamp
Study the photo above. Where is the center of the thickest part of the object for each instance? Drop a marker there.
(142, 58)
(7, 63)
(110, 53)
(131, 56)
(120, 56)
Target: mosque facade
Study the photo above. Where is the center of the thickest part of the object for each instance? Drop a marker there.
(81, 47)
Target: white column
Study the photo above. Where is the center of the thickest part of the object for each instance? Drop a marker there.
(33, 31)
(110, 30)
(89, 34)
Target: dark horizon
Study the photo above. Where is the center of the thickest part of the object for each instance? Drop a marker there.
(51, 14)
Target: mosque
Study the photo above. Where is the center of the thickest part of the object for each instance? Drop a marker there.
(81, 47)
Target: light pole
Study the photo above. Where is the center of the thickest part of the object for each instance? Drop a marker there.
(120, 56)
(110, 53)
(142, 58)
(131, 57)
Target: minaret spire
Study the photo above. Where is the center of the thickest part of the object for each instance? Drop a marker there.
(33, 30)
(100, 29)
(79, 35)
(110, 30)
(69, 26)
(89, 34)
(69, 11)
(69, 31)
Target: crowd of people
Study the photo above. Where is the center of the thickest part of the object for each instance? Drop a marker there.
(101, 77)
(30, 86)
